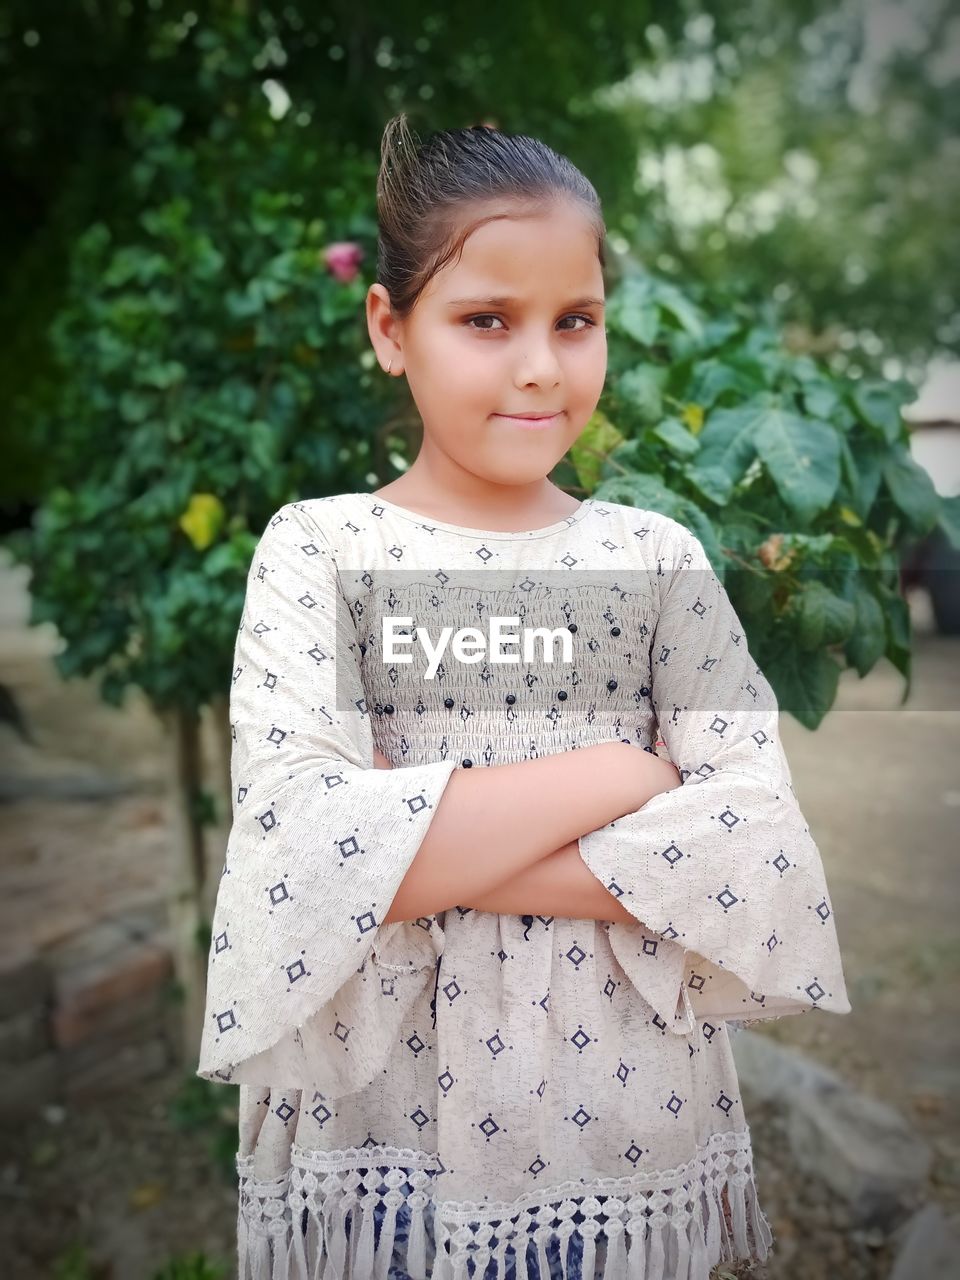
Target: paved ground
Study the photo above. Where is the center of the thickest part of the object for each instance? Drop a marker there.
(880, 788)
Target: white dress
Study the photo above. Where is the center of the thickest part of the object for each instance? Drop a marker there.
(500, 1078)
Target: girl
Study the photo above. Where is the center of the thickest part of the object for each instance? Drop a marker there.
(476, 943)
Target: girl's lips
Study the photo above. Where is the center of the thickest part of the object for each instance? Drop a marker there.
(531, 424)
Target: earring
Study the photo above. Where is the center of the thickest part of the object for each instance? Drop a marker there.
(389, 366)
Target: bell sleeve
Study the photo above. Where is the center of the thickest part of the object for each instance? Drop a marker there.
(734, 919)
(305, 984)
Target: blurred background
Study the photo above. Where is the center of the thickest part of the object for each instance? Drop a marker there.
(188, 235)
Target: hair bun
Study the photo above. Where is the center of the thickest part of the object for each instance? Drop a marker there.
(399, 148)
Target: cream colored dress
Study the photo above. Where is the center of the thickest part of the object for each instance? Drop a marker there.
(500, 1078)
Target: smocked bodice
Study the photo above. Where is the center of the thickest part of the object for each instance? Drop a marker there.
(497, 712)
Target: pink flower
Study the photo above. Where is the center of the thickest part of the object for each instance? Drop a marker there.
(343, 259)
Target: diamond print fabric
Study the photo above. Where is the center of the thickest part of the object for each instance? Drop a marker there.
(319, 845)
(527, 1096)
(724, 868)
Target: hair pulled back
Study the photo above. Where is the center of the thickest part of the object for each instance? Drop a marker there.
(424, 190)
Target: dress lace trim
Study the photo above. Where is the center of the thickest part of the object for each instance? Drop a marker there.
(675, 1224)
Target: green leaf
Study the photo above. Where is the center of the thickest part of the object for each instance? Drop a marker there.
(649, 493)
(820, 399)
(822, 618)
(862, 461)
(878, 405)
(207, 260)
(866, 645)
(260, 453)
(805, 683)
(598, 439)
(633, 311)
(912, 490)
(162, 374)
(640, 455)
(700, 525)
(639, 388)
(713, 482)
(221, 560)
(135, 407)
(727, 440)
(751, 591)
(677, 438)
(646, 492)
(739, 377)
(896, 614)
(242, 304)
(132, 263)
(949, 520)
(802, 457)
(149, 122)
(270, 290)
(168, 220)
(680, 308)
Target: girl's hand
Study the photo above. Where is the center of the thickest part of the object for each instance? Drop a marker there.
(380, 761)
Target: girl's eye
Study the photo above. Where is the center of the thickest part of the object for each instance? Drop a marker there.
(484, 329)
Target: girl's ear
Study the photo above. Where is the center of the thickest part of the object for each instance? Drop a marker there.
(384, 330)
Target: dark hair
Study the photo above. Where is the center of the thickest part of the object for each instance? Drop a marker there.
(422, 190)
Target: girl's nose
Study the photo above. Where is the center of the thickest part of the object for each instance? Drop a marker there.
(538, 364)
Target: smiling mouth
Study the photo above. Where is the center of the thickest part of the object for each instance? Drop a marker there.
(529, 420)
(533, 417)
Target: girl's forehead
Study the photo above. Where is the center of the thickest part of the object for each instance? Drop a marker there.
(520, 257)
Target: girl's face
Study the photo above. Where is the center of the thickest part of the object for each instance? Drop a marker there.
(514, 326)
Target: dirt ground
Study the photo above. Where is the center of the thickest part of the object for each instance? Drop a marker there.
(878, 785)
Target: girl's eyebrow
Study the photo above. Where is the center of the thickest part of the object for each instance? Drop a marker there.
(507, 302)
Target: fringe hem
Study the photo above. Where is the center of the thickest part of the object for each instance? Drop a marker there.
(671, 1225)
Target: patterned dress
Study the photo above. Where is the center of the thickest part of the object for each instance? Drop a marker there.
(476, 1094)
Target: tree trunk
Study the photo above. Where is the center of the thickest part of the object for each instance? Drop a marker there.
(187, 915)
(220, 739)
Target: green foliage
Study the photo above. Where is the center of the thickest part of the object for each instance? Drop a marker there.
(199, 1108)
(213, 368)
(798, 482)
(807, 152)
(193, 1266)
(743, 141)
(333, 76)
(214, 364)
(75, 1263)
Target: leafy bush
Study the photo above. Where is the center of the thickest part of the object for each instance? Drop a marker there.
(212, 369)
(799, 483)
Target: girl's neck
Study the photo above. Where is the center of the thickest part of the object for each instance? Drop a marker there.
(519, 507)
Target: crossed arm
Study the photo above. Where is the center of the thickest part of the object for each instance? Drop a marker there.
(559, 885)
(559, 882)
